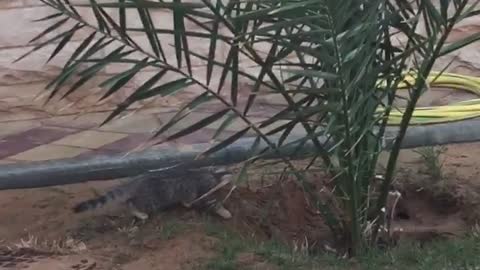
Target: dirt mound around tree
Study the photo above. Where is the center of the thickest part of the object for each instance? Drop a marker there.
(282, 212)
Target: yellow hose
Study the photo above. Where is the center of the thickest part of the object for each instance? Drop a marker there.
(441, 114)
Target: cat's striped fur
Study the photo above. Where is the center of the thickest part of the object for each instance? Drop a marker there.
(147, 193)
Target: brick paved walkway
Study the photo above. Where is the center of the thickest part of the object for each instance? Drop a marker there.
(28, 133)
(34, 139)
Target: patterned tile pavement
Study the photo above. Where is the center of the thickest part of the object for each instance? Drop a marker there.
(53, 142)
(29, 132)
(32, 135)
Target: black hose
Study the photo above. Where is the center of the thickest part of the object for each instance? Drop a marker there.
(78, 170)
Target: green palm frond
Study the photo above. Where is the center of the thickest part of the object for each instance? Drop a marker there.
(322, 57)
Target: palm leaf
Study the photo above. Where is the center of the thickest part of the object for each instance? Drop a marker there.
(136, 96)
(199, 125)
(64, 41)
(124, 78)
(184, 112)
(228, 141)
(50, 28)
(150, 32)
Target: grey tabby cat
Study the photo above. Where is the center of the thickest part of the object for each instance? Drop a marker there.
(147, 194)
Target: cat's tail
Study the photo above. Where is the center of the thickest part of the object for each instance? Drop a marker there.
(118, 193)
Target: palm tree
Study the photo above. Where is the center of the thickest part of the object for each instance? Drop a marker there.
(335, 64)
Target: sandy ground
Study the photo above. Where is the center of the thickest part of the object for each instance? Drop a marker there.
(106, 239)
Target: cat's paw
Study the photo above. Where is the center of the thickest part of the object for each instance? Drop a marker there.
(186, 205)
(140, 215)
(221, 211)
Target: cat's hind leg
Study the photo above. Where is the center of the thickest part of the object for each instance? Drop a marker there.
(137, 213)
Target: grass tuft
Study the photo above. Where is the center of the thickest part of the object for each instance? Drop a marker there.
(431, 157)
(443, 254)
